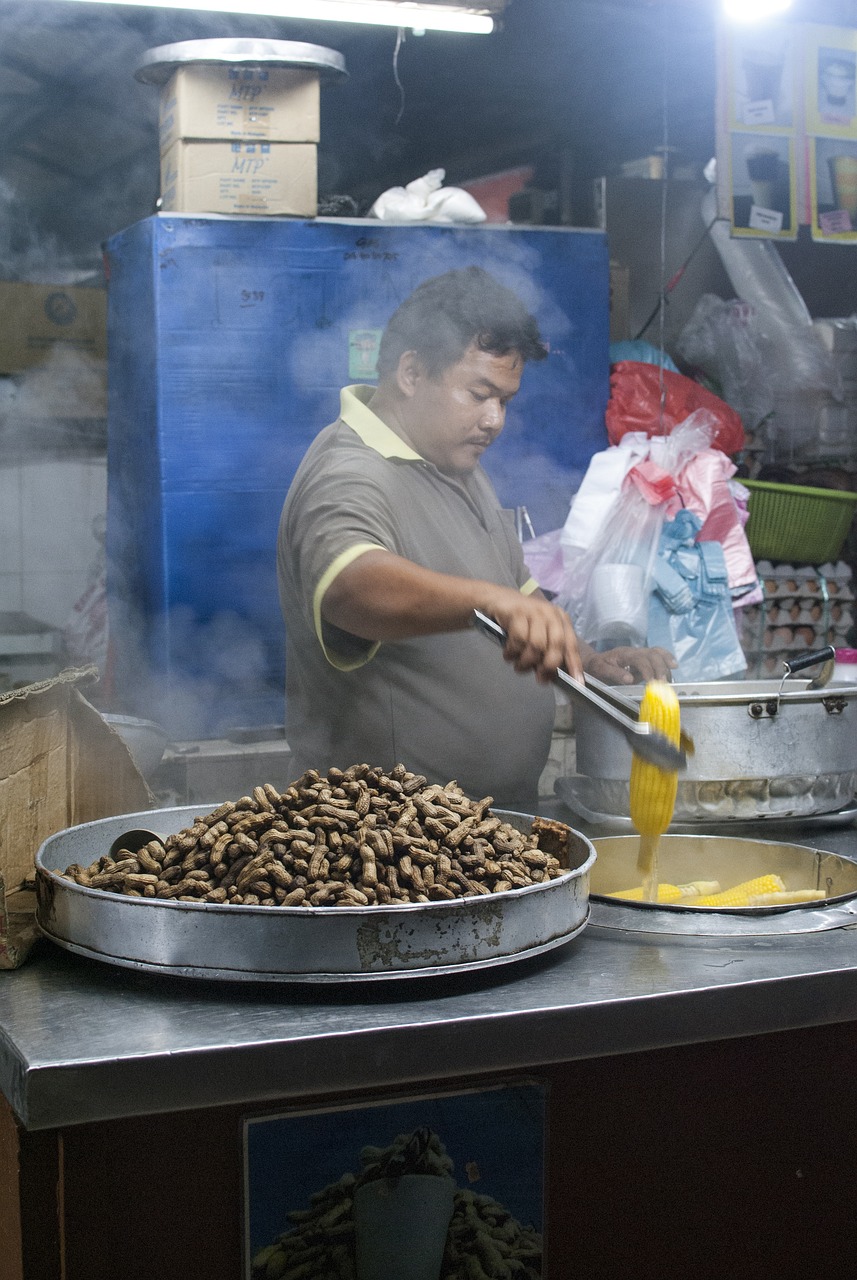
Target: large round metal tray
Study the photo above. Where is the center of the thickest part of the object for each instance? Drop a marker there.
(299, 944)
(730, 859)
(157, 65)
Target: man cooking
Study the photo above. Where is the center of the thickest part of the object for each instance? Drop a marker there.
(391, 535)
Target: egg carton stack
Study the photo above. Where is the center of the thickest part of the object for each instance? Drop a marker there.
(804, 607)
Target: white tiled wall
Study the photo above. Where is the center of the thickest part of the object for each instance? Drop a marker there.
(47, 543)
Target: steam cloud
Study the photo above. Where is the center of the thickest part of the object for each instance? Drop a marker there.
(60, 241)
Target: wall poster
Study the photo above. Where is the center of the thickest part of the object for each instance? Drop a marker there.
(787, 130)
(762, 111)
(413, 1189)
(761, 76)
(831, 120)
(763, 184)
(833, 175)
(831, 63)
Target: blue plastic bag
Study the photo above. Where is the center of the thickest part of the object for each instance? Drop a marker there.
(690, 607)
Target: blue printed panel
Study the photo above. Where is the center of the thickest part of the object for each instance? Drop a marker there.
(228, 342)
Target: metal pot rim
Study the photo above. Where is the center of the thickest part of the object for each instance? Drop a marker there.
(705, 693)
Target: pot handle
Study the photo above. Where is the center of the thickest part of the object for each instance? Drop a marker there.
(809, 659)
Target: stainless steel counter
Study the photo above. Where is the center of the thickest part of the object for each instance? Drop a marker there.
(82, 1041)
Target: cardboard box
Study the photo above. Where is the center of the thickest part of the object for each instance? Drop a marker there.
(60, 764)
(265, 178)
(37, 318)
(239, 104)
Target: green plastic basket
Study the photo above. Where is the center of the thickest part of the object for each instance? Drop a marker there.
(801, 525)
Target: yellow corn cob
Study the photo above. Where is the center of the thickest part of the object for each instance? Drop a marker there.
(740, 895)
(785, 898)
(653, 790)
(670, 893)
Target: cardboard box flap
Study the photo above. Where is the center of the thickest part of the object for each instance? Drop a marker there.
(18, 929)
(60, 765)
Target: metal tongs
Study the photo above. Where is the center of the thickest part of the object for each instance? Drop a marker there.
(641, 737)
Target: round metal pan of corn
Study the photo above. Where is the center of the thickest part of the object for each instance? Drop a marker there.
(259, 943)
(723, 886)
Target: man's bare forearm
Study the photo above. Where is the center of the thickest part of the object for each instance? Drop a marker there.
(380, 596)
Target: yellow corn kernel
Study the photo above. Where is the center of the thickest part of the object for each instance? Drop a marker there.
(666, 893)
(653, 790)
(786, 898)
(671, 893)
(740, 894)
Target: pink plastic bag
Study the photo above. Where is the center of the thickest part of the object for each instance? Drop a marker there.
(543, 558)
(705, 490)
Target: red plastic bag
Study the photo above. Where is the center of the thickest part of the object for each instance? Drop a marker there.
(635, 405)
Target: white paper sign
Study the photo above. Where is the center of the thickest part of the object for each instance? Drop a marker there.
(760, 112)
(765, 219)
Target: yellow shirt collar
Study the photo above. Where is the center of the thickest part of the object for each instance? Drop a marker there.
(355, 413)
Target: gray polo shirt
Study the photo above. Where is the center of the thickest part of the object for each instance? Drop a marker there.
(447, 706)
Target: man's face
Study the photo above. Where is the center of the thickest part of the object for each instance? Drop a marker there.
(453, 418)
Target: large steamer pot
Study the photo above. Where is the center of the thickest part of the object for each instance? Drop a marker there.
(299, 944)
(729, 860)
(764, 748)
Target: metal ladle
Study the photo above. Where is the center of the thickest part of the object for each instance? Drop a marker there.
(133, 841)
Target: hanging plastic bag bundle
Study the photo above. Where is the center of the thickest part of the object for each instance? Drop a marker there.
(606, 586)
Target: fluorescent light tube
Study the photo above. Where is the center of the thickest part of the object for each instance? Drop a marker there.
(416, 17)
(754, 10)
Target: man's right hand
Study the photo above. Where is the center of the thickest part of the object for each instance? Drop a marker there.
(540, 637)
(631, 666)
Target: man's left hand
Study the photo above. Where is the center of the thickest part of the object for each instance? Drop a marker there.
(630, 666)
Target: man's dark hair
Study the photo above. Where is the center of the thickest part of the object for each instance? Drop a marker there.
(445, 314)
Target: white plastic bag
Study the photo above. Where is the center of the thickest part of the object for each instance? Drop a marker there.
(427, 200)
(606, 585)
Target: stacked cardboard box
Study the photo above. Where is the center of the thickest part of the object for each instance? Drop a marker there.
(239, 139)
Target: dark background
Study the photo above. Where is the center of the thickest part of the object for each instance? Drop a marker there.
(574, 88)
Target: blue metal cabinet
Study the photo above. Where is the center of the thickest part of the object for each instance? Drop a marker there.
(228, 342)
